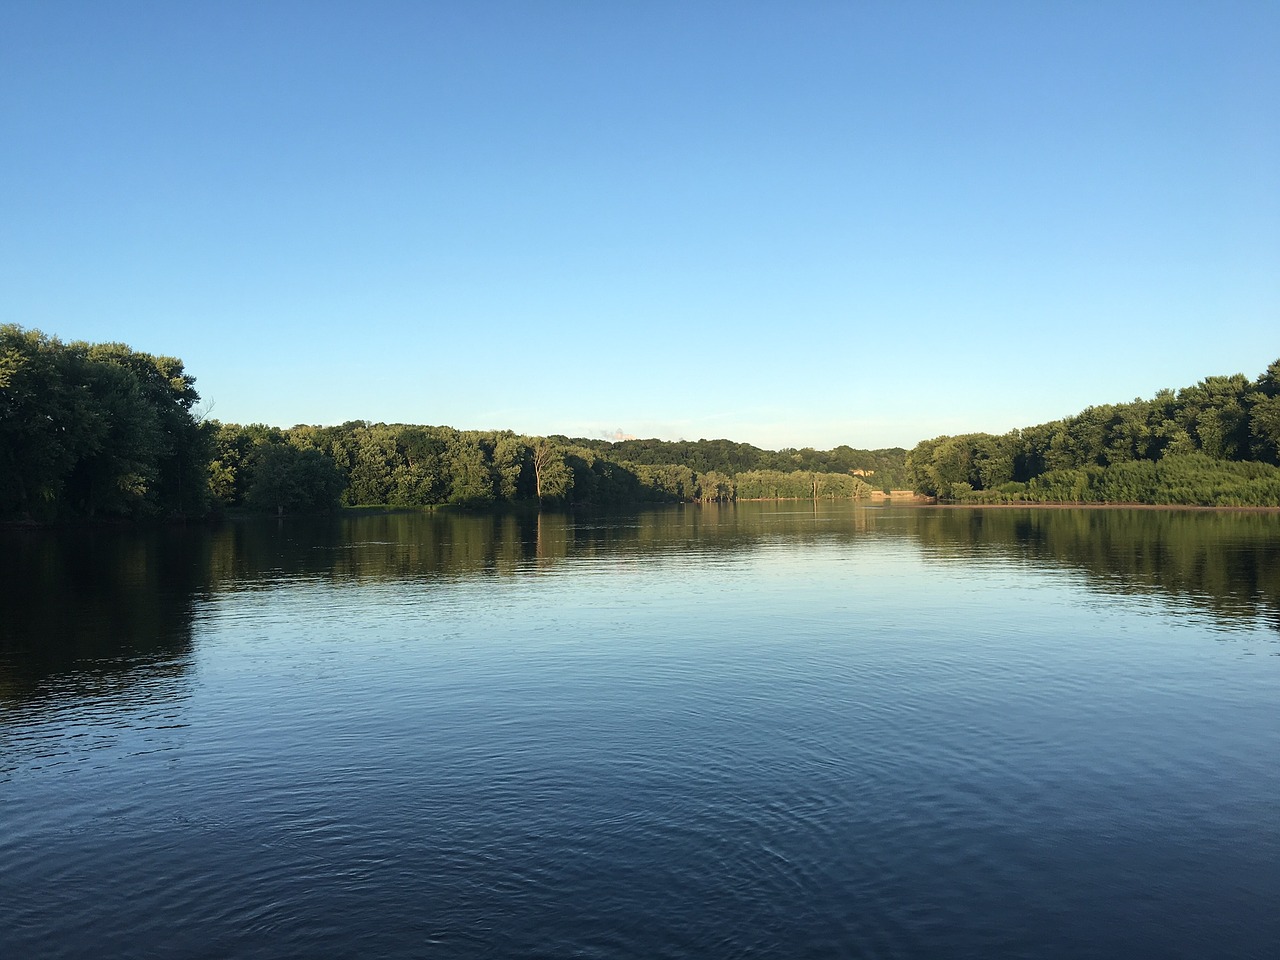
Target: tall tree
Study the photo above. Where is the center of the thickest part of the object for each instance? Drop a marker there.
(552, 478)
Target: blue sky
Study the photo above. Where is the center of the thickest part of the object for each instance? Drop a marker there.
(790, 224)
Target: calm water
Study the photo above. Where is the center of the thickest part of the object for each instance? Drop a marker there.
(762, 731)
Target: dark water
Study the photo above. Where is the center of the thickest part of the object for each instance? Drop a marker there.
(761, 731)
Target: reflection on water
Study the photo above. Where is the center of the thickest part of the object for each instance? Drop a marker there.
(425, 545)
(95, 604)
(1227, 562)
(103, 598)
(753, 730)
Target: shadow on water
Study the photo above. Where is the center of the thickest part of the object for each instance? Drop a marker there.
(96, 604)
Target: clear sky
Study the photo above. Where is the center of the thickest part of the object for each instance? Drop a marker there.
(793, 224)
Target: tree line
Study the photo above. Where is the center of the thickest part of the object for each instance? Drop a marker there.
(1216, 443)
(884, 469)
(361, 463)
(102, 430)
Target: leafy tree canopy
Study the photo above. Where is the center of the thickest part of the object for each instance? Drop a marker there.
(1215, 442)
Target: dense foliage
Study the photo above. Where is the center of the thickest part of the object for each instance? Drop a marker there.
(1215, 443)
(407, 465)
(883, 468)
(101, 430)
(97, 430)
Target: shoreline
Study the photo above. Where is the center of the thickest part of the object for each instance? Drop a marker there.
(375, 510)
(1051, 505)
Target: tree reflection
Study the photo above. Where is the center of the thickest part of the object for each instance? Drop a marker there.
(110, 606)
(95, 603)
(1227, 562)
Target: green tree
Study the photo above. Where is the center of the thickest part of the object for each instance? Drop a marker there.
(47, 421)
(510, 454)
(714, 486)
(1264, 428)
(97, 429)
(422, 476)
(552, 478)
(285, 479)
(470, 470)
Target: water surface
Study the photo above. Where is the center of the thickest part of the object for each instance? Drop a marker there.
(741, 731)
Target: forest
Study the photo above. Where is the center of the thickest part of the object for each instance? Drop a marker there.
(1216, 443)
(104, 431)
